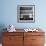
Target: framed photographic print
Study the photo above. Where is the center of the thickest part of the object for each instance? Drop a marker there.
(26, 13)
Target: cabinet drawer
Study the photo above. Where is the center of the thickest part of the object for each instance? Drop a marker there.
(37, 39)
(34, 33)
(37, 44)
(13, 33)
(8, 45)
(12, 39)
(20, 44)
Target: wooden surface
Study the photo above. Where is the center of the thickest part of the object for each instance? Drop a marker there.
(23, 39)
(13, 39)
(34, 39)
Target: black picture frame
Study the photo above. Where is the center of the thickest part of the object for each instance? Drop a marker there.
(26, 13)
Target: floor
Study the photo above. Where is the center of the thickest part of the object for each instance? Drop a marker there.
(0, 44)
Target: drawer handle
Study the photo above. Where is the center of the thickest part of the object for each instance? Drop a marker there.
(11, 38)
(33, 39)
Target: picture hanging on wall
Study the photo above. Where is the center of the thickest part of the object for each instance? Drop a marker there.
(26, 13)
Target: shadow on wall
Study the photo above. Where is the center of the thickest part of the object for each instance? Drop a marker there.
(2, 27)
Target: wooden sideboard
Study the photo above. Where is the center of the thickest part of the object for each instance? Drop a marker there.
(23, 38)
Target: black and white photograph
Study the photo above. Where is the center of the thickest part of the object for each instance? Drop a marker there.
(26, 13)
